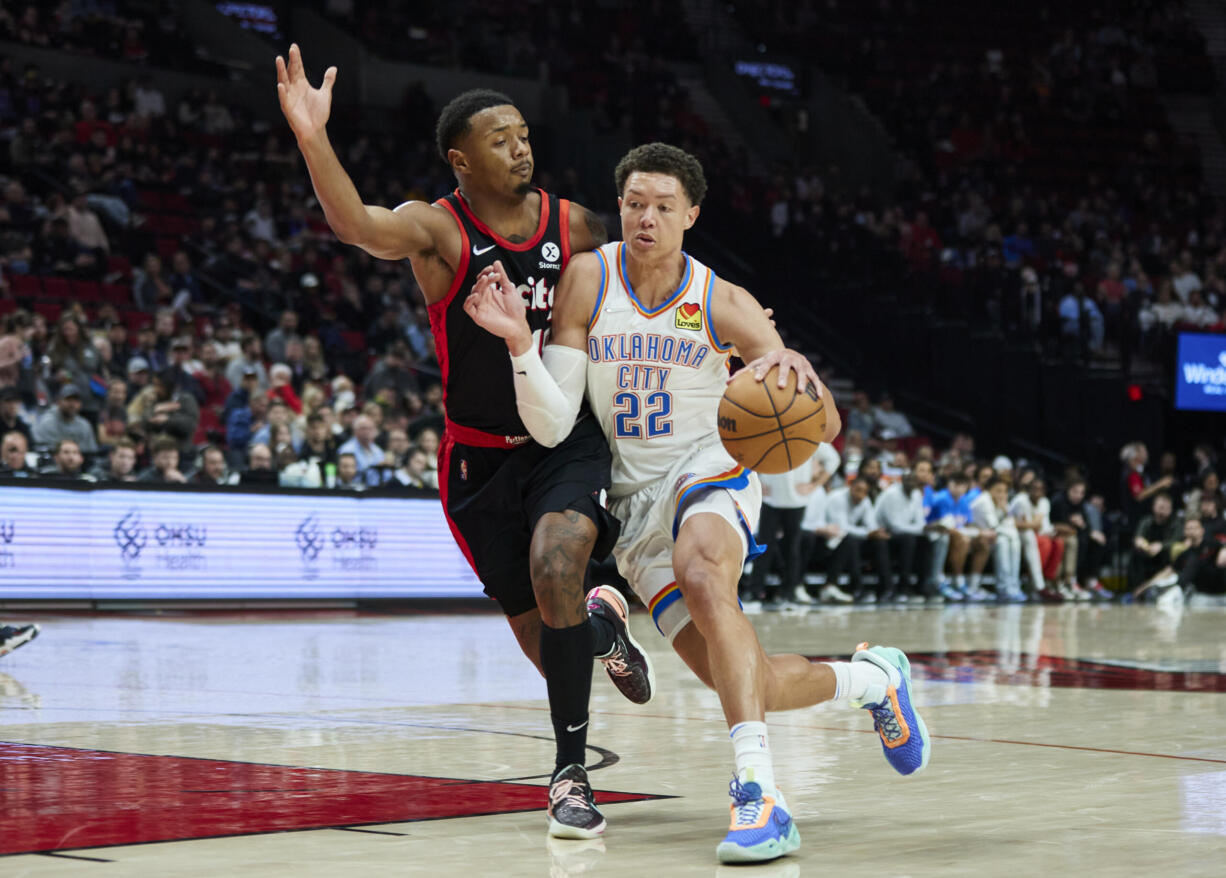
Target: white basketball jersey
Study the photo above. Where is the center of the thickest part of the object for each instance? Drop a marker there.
(654, 376)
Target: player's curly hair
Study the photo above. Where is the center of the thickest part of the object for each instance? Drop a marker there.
(661, 158)
(456, 119)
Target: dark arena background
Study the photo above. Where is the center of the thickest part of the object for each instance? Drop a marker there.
(237, 633)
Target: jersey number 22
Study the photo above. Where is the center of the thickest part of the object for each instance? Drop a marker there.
(658, 407)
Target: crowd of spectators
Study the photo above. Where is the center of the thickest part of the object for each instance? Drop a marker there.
(167, 277)
(882, 517)
(134, 31)
(1054, 202)
(167, 259)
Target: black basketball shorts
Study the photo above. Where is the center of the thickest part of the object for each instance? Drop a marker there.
(494, 497)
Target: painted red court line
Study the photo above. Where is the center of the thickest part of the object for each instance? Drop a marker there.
(64, 798)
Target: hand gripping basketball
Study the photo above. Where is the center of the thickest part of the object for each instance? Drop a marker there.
(768, 425)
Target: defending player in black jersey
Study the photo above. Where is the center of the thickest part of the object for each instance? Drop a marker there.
(528, 518)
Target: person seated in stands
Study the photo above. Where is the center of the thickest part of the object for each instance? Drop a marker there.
(1042, 547)
(174, 411)
(1151, 545)
(1071, 517)
(817, 533)
(990, 512)
(318, 443)
(362, 446)
(950, 515)
(113, 416)
(1201, 566)
(165, 469)
(1198, 312)
(11, 420)
(248, 359)
(259, 469)
(246, 421)
(1211, 516)
(348, 477)
(860, 414)
(120, 464)
(887, 419)
(850, 511)
(212, 469)
(1209, 485)
(392, 372)
(1076, 309)
(65, 422)
(872, 472)
(13, 449)
(280, 415)
(279, 336)
(66, 462)
(416, 473)
(281, 387)
(900, 510)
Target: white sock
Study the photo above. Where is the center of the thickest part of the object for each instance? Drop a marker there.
(976, 578)
(753, 755)
(853, 679)
(960, 581)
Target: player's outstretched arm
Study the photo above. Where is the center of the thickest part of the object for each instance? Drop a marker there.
(549, 387)
(388, 234)
(740, 320)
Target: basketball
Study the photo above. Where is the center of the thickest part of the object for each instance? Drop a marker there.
(767, 428)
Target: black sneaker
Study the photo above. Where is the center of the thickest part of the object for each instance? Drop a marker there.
(572, 811)
(13, 636)
(628, 666)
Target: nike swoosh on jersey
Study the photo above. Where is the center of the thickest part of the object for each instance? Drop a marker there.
(477, 252)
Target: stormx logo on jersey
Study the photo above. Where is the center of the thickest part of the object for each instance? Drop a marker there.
(551, 253)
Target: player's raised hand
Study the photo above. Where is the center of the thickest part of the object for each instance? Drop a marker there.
(306, 108)
(497, 307)
(787, 360)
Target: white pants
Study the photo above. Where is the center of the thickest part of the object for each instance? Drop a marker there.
(1034, 562)
(1008, 560)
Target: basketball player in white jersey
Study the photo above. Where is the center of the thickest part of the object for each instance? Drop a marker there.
(646, 330)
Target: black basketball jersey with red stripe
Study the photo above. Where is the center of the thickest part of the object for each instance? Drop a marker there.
(478, 387)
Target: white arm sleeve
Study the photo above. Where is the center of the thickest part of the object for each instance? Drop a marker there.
(548, 392)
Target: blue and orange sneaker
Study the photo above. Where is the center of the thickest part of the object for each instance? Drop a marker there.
(904, 737)
(762, 829)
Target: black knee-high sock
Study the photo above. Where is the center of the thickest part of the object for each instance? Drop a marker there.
(603, 635)
(566, 656)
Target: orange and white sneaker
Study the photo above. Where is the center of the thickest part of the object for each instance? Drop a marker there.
(628, 666)
(762, 827)
(904, 737)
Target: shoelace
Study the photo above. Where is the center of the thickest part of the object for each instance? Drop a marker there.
(616, 663)
(748, 800)
(567, 792)
(885, 721)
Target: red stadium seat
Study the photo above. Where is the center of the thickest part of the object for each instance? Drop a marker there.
(117, 294)
(57, 288)
(355, 341)
(175, 201)
(167, 247)
(119, 266)
(87, 291)
(25, 285)
(134, 320)
(8, 306)
(49, 310)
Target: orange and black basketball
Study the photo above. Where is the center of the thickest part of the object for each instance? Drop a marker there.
(768, 428)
